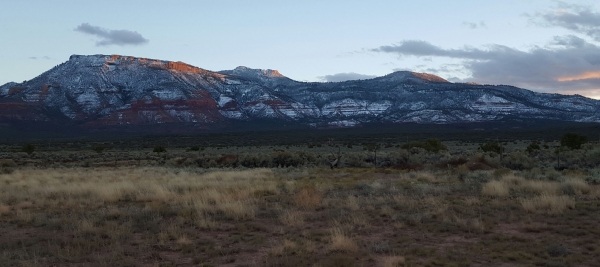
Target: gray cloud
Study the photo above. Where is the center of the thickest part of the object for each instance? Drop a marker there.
(345, 76)
(112, 37)
(577, 18)
(426, 49)
(567, 64)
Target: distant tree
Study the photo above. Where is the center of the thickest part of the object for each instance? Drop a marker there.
(573, 140)
(28, 148)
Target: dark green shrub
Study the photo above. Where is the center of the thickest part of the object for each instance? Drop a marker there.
(533, 146)
(286, 159)
(371, 146)
(98, 149)
(7, 166)
(28, 148)
(573, 140)
(196, 148)
(491, 147)
(159, 149)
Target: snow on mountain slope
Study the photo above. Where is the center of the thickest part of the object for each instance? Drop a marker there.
(114, 90)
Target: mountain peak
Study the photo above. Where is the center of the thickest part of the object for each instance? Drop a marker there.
(429, 77)
(415, 76)
(250, 72)
(114, 60)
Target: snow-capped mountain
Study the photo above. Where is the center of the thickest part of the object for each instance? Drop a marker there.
(117, 90)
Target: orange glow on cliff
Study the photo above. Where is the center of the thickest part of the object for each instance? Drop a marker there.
(583, 76)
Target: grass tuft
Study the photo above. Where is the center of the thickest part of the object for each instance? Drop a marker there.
(341, 243)
(548, 204)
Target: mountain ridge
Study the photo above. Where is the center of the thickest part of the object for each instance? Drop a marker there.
(97, 90)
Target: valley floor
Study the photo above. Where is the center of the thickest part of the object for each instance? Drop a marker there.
(169, 216)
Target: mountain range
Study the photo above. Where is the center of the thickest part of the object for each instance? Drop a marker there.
(112, 90)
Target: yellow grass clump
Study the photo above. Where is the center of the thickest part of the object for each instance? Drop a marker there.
(579, 186)
(292, 218)
(352, 203)
(228, 193)
(393, 261)
(548, 204)
(308, 197)
(184, 241)
(341, 242)
(285, 247)
(522, 186)
(495, 189)
(4, 209)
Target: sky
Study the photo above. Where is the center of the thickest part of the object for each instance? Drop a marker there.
(541, 45)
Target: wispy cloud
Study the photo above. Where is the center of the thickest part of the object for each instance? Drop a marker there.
(566, 64)
(473, 25)
(345, 76)
(40, 58)
(576, 18)
(112, 37)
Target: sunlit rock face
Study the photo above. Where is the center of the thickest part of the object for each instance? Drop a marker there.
(123, 90)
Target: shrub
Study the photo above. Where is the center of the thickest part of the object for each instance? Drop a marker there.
(431, 145)
(196, 148)
(285, 159)
(28, 148)
(159, 149)
(533, 146)
(519, 161)
(7, 166)
(491, 147)
(573, 140)
(575, 186)
(98, 149)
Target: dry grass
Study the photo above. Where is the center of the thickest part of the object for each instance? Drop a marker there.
(184, 241)
(4, 209)
(292, 218)
(579, 186)
(520, 185)
(286, 247)
(495, 189)
(228, 193)
(393, 261)
(548, 204)
(341, 242)
(308, 197)
(352, 203)
(170, 216)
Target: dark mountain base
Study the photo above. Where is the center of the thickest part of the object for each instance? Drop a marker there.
(272, 132)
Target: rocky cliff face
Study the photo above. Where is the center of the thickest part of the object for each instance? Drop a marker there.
(117, 90)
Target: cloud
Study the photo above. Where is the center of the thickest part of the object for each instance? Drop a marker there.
(576, 18)
(112, 37)
(566, 64)
(473, 25)
(345, 76)
(44, 58)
